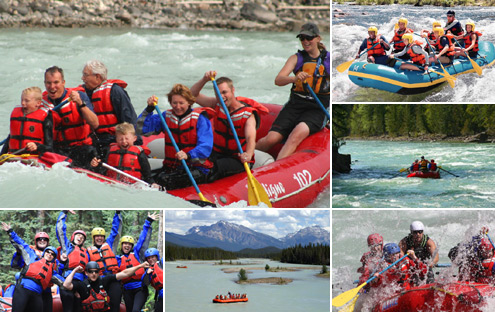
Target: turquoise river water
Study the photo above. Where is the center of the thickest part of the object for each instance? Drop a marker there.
(375, 180)
(151, 61)
(193, 289)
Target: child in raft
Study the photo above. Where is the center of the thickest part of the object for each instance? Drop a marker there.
(31, 127)
(127, 157)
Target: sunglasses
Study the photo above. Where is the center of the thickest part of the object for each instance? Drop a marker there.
(417, 232)
(308, 38)
(42, 239)
(51, 253)
(450, 15)
(92, 271)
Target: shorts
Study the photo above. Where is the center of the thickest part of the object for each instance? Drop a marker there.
(300, 109)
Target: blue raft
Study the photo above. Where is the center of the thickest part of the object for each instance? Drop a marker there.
(395, 80)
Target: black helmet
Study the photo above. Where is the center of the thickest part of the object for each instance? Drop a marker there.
(92, 265)
(450, 12)
(422, 157)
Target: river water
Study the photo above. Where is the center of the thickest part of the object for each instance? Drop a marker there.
(193, 289)
(348, 33)
(151, 61)
(375, 180)
(446, 227)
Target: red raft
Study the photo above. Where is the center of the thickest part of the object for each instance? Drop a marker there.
(456, 296)
(294, 181)
(425, 175)
(182, 267)
(230, 300)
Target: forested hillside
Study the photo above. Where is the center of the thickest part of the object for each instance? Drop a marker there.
(363, 120)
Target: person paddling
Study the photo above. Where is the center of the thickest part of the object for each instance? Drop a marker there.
(432, 166)
(417, 55)
(415, 166)
(423, 164)
(423, 246)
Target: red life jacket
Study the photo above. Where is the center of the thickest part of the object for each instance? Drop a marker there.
(24, 129)
(223, 139)
(96, 301)
(103, 107)
(315, 67)
(40, 271)
(70, 128)
(399, 46)
(468, 42)
(76, 257)
(438, 45)
(433, 166)
(400, 274)
(156, 279)
(129, 262)
(39, 253)
(416, 58)
(105, 258)
(185, 135)
(125, 160)
(485, 275)
(378, 49)
(415, 167)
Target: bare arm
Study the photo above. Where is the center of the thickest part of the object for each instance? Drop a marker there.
(202, 99)
(86, 113)
(250, 134)
(68, 280)
(283, 77)
(128, 272)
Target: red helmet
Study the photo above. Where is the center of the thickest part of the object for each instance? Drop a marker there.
(41, 235)
(78, 232)
(485, 245)
(433, 160)
(375, 239)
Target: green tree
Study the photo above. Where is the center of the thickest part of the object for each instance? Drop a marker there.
(324, 269)
(242, 275)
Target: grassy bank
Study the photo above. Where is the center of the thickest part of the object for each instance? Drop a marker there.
(443, 3)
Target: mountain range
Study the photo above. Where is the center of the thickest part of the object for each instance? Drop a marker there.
(233, 237)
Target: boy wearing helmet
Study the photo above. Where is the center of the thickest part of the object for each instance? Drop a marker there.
(72, 254)
(27, 254)
(415, 53)
(376, 45)
(94, 289)
(154, 276)
(429, 35)
(135, 294)
(405, 274)
(401, 30)
(423, 247)
(103, 254)
(371, 259)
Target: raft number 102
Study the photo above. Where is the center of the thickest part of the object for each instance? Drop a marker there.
(303, 178)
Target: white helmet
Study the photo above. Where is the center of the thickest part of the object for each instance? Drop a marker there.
(417, 226)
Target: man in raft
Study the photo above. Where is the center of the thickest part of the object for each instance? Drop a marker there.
(453, 26)
(377, 53)
(415, 166)
(423, 247)
(415, 53)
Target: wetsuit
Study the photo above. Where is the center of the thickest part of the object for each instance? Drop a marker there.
(135, 293)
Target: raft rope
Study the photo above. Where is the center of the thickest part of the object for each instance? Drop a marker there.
(13, 157)
(274, 200)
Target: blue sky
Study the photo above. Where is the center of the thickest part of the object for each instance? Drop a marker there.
(275, 222)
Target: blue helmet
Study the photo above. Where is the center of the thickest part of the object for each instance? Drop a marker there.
(51, 248)
(390, 249)
(152, 252)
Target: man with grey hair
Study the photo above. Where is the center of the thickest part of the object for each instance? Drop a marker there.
(111, 103)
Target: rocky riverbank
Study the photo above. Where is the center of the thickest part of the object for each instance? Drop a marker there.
(482, 137)
(262, 15)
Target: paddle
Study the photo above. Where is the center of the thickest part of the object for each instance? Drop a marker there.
(450, 79)
(344, 66)
(350, 307)
(317, 100)
(56, 107)
(184, 164)
(439, 167)
(4, 157)
(256, 192)
(400, 171)
(124, 174)
(345, 297)
(491, 242)
(475, 65)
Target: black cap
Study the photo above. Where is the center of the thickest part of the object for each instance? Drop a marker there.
(450, 12)
(309, 29)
